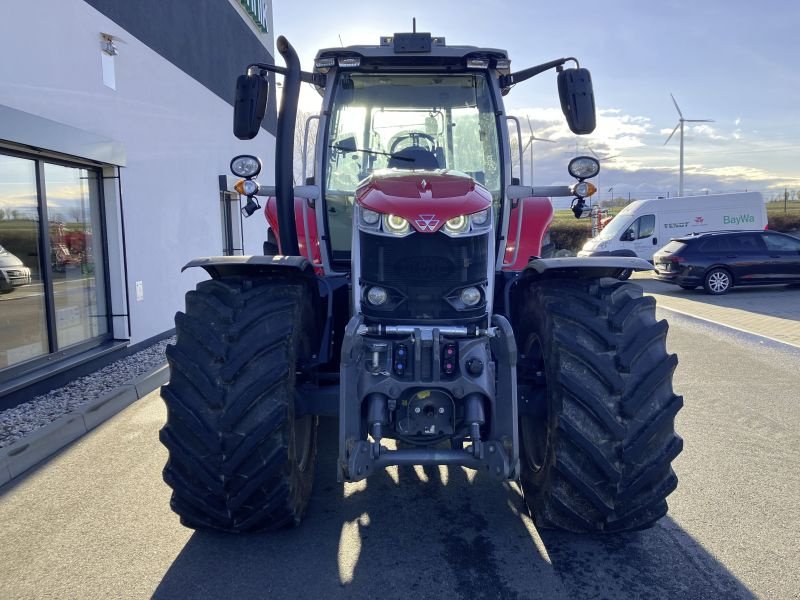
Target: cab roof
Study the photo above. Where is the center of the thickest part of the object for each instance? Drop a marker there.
(413, 49)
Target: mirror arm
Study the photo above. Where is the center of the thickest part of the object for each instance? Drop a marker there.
(315, 78)
(509, 80)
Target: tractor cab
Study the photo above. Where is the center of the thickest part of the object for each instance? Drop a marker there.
(410, 107)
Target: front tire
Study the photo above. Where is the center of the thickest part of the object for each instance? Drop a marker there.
(596, 456)
(239, 460)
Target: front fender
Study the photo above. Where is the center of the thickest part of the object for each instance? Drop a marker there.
(224, 266)
(620, 252)
(582, 268)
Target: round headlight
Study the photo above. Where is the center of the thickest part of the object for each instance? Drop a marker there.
(457, 224)
(395, 224)
(370, 217)
(377, 295)
(583, 167)
(250, 187)
(470, 296)
(480, 218)
(245, 166)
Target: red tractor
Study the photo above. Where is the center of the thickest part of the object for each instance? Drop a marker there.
(408, 298)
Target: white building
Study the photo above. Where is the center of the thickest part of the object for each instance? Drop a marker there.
(115, 127)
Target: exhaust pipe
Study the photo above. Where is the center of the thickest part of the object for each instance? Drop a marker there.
(284, 149)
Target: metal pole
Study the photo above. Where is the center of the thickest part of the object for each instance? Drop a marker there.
(680, 187)
(531, 145)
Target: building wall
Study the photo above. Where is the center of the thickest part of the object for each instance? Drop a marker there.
(170, 112)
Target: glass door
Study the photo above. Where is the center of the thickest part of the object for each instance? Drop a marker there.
(23, 310)
(74, 232)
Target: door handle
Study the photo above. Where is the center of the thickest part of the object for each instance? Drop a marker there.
(655, 241)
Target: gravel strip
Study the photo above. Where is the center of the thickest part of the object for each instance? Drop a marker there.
(17, 422)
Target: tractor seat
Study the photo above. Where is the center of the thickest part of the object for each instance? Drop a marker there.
(415, 158)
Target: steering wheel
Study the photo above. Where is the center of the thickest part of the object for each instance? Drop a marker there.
(416, 137)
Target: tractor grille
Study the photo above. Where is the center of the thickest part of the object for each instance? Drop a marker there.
(419, 271)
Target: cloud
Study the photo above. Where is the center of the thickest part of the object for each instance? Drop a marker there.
(731, 173)
(707, 131)
(719, 157)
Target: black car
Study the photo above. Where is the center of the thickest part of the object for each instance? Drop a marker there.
(720, 260)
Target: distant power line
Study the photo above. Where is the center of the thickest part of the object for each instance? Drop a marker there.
(723, 153)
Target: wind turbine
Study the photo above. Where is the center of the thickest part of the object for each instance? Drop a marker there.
(532, 139)
(681, 121)
(600, 159)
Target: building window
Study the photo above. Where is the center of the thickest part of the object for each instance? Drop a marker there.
(53, 293)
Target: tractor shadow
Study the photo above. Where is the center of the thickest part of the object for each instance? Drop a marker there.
(438, 533)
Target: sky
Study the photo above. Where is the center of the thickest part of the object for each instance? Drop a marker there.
(731, 61)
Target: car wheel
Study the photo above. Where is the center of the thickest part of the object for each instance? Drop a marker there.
(717, 282)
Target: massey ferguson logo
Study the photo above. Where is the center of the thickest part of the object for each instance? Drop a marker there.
(427, 222)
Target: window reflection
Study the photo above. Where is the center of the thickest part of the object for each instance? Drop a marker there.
(23, 325)
(52, 283)
(78, 291)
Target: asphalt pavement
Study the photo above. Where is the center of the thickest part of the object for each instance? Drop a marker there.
(771, 311)
(94, 521)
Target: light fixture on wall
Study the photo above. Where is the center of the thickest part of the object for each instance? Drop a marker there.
(108, 50)
(107, 44)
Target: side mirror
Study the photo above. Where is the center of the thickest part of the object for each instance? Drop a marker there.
(577, 99)
(250, 105)
(628, 236)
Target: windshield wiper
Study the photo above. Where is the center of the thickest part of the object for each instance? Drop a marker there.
(345, 149)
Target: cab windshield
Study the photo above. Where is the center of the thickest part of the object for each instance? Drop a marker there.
(406, 121)
(617, 224)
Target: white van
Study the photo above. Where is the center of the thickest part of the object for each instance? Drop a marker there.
(644, 226)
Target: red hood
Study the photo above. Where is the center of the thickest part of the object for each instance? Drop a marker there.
(426, 199)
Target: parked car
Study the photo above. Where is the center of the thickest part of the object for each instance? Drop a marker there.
(13, 272)
(721, 260)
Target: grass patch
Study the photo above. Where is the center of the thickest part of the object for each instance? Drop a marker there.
(786, 222)
(569, 233)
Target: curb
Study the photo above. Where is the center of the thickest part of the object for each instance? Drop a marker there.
(42, 443)
(758, 338)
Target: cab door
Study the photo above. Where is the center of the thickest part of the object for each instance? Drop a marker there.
(640, 236)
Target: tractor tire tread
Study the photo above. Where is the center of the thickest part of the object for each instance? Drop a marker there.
(229, 404)
(609, 468)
